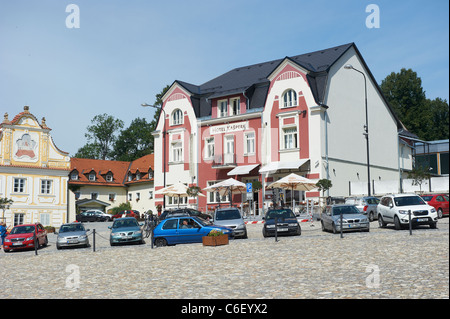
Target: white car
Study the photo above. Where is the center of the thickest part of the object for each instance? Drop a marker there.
(395, 208)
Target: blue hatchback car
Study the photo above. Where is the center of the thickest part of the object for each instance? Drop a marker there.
(186, 229)
(125, 230)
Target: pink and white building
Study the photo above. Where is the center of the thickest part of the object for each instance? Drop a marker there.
(301, 114)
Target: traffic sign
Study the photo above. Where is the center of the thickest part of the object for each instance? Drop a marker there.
(249, 188)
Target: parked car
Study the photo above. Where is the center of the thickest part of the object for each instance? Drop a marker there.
(367, 205)
(352, 219)
(439, 202)
(73, 234)
(185, 229)
(184, 212)
(394, 209)
(125, 213)
(287, 223)
(125, 230)
(23, 236)
(231, 217)
(90, 216)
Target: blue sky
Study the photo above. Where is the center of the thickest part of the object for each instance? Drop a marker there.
(125, 52)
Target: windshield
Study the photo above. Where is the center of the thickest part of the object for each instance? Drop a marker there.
(228, 214)
(408, 200)
(202, 222)
(427, 198)
(125, 223)
(71, 228)
(345, 210)
(22, 230)
(280, 213)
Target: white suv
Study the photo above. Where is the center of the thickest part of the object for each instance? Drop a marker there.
(395, 208)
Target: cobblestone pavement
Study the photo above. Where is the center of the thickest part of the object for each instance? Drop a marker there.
(383, 263)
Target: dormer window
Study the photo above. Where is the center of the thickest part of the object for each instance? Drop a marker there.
(74, 176)
(223, 108)
(289, 99)
(177, 117)
(109, 177)
(138, 176)
(235, 107)
(130, 177)
(92, 176)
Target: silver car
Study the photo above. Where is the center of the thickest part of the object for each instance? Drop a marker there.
(366, 205)
(352, 219)
(231, 217)
(73, 234)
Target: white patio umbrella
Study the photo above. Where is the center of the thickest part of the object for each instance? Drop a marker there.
(294, 182)
(226, 186)
(176, 190)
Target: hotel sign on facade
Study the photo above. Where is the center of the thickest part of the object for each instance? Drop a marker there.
(228, 128)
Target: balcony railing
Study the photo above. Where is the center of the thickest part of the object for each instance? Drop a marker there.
(224, 160)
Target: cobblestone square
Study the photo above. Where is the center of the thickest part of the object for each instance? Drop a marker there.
(383, 263)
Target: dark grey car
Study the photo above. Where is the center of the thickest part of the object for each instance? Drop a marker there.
(352, 219)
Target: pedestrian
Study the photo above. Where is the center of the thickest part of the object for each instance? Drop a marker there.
(2, 232)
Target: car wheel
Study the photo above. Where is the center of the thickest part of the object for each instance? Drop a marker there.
(160, 242)
(45, 242)
(323, 226)
(440, 213)
(264, 233)
(334, 228)
(397, 224)
(371, 216)
(299, 231)
(381, 222)
(433, 225)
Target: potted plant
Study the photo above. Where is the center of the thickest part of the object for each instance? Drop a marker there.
(215, 238)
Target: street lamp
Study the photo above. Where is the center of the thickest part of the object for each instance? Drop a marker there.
(366, 127)
(164, 141)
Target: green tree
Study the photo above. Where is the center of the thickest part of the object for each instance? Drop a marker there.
(439, 128)
(405, 94)
(101, 137)
(5, 203)
(134, 141)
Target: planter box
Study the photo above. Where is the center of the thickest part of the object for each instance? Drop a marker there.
(215, 240)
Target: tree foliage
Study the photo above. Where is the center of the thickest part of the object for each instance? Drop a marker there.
(134, 142)
(428, 119)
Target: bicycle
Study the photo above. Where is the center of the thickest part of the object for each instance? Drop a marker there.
(149, 224)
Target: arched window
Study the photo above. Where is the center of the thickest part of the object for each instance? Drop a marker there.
(177, 117)
(289, 98)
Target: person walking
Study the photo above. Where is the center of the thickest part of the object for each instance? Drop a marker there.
(2, 232)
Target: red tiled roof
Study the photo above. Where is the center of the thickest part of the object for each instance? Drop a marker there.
(119, 170)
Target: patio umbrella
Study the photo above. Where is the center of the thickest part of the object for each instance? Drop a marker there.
(294, 182)
(229, 185)
(176, 190)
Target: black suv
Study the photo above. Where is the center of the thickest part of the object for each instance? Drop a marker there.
(184, 212)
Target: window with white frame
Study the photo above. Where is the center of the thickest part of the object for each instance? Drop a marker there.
(19, 218)
(150, 194)
(92, 176)
(94, 195)
(112, 196)
(130, 197)
(46, 186)
(177, 151)
(249, 143)
(235, 107)
(19, 185)
(44, 219)
(289, 98)
(290, 138)
(177, 117)
(214, 197)
(109, 177)
(223, 108)
(209, 145)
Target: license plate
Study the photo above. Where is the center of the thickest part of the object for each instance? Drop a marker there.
(422, 220)
(73, 241)
(282, 229)
(18, 244)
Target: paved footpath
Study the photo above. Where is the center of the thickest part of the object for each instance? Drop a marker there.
(383, 263)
